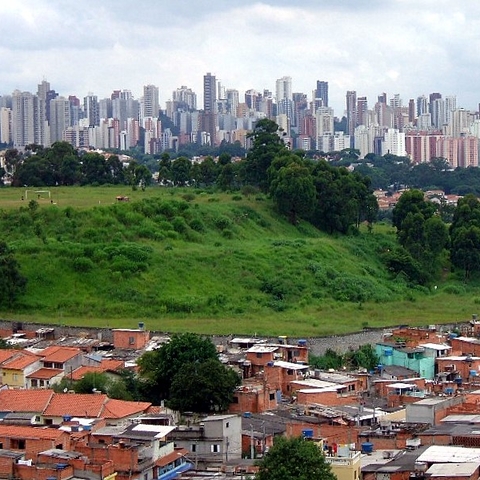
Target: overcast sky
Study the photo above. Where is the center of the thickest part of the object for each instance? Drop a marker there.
(410, 47)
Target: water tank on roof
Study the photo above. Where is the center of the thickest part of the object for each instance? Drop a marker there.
(67, 418)
(449, 391)
(87, 427)
(302, 343)
(141, 325)
(270, 364)
(307, 433)
(367, 447)
(473, 373)
(458, 380)
(247, 414)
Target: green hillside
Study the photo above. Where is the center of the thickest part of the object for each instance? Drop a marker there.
(203, 262)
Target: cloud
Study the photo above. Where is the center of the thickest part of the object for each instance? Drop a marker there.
(371, 46)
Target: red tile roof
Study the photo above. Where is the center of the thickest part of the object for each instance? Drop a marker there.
(45, 373)
(76, 405)
(19, 361)
(59, 354)
(123, 408)
(108, 365)
(171, 457)
(17, 431)
(24, 400)
(7, 353)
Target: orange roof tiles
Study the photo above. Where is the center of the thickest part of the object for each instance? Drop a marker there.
(24, 400)
(59, 354)
(80, 372)
(20, 361)
(171, 457)
(6, 354)
(45, 373)
(105, 366)
(123, 408)
(76, 405)
(16, 431)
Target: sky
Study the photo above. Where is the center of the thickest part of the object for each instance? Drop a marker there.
(410, 47)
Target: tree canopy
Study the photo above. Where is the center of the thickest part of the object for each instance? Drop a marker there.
(186, 372)
(294, 458)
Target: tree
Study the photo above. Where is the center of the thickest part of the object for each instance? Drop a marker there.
(294, 192)
(159, 367)
(12, 282)
(294, 458)
(204, 387)
(266, 145)
(180, 171)
(411, 201)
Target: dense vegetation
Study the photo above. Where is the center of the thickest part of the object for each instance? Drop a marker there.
(191, 259)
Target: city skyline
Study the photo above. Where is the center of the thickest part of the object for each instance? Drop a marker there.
(369, 47)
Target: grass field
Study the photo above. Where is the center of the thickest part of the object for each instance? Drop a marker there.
(208, 263)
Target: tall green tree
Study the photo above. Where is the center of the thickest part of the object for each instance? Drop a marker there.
(159, 367)
(12, 282)
(294, 192)
(267, 143)
(203, 387)
(294, 458)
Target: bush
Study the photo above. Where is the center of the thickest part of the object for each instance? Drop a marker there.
(83, 264)
(188, 197)
(223, 222)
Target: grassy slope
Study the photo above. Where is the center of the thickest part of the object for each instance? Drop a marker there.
(246, 271)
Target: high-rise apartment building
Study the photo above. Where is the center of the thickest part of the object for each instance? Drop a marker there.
(24, 113)
(321, 94)
(5, 124)
(284, 97)
(362, 108)
(184, 99)
(209, 93)
(59, 118)
(351, 101)
(91, 108)
(151, 101)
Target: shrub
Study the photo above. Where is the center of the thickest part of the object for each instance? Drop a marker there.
(223, 222)
(83, 264)
(188, 197)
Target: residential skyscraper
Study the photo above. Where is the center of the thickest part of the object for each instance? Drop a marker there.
(351, 100)
(362, 107)
(321, 94)
(209, 93)
(284, 97)
(151, 102)
(92, 110)
(59, 118)
(24, 113)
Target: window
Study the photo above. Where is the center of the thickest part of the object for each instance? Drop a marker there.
(289, 372)
(193, 447)
(272, 396)
(145, 477)
(37, 419)
(15, 377)
(17, 444)
(48, 421)
(34, 383)
(296, 353)
(227, 424)
(131, 340)
(235, 399)
(410, 355)
(215, 448)
(259, 355)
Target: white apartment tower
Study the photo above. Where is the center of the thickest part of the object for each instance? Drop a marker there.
(24, 111)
